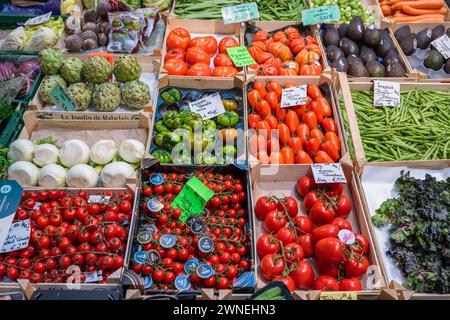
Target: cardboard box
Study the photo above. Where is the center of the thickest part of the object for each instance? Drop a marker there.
(354, 137)
(200, 28)
(134, 282)
(389, 271)
(209, 84)
(149, 66)
(323, 79)
(283, 184)
(272, 26)
(415, 28)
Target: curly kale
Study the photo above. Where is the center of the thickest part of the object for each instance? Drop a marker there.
(419, 231)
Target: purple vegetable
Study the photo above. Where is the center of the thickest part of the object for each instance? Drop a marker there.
(51, 5)
(7, 70)
(29, 69)
(27, 84)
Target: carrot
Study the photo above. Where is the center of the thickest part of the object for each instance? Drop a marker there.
(392, 2)
(438, 17)
(418, 12)
(422, 4)
(387, 10)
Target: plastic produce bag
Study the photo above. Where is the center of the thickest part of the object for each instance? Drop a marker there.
(126, 29)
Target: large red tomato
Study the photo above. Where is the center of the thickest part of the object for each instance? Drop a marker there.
(224, 60)
(303, 276)
(207, 44)
(272, 265)
(199, 69)
(224, 72)
(194, 55)
(274, 221)
(322, 213)
(175, 67)
(266, 244)
(307, 244)
(327, 230)
(263, 205)
(356, 266)
(350, 284)
(303, 224)
(178, 38)
(330, 250)
(285, 235)
(176, 53)
(294, 252)
(326, 283)
(290, 205)
(227, 42)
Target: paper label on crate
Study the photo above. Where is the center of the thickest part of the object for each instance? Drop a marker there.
(240, 13)
(10, 195)
(192, 198)
(38, 20)
(346, 236)
(293, 96)
(93, 276)
(328, 173)
(18, 236)
(240, 56)
(208, 107)
(386, 93)
(98, 199)
(442, 44)
(61, 98)
(320, 15)
(37, 205)
(338, 296)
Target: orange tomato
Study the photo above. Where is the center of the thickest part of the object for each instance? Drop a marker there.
(302, 158)
(322, 157)
(255, 52)
(253, 119)
(331, 136)
(275, 86)
(292, 33)
(318, 110)
(206, 43)
(272, 98)
(314, 91)
(276, 158)
(199, 69)
(291, 65)
(309, 53)
(175, 67)
(258, 85)
(263, 108)
(280, 36)
(329, 147)
(263, 157)
(280, 113)
(273, 145)
(195, 54)
(222, 60)
(302, 132)
(310, 119)
(296, 144)
(288, 155)
(312, 146)
(283, 133)
(311, 68)
(260, 44)
(280, 50)
(297, 45)
(178, 38)
(224, 72)
(227, 42)
(273, 61)
(300, 110)
(272, 121)
(257, 143)
(316, 133)
(329, 124)
(292, 120)
(254, 97)
(325, 106)
(261, 36)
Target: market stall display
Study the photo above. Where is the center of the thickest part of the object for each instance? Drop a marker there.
(208, 247)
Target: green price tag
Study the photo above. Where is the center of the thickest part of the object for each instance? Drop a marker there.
(320, 15)
(192, 198)
(240, 56)
(61, 98)
(240, 13)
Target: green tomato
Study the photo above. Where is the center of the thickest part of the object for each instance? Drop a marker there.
(183, 114)
(162, 155)
(209, 124)
(171, 139)
(160, 127)
(194, 121)
(228, 119)
(159, 140)
(171, 120)
(171, 96)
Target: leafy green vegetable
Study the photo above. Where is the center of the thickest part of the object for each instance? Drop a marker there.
(4, 162)
(419, 233)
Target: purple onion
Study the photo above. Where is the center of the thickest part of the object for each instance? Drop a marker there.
(30, 69)
(7, 70)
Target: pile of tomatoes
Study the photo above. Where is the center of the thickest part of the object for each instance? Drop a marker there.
(192, 57)
(302, 134)
(224, 220)
(70, 231)
(286, 53)
(325, 235)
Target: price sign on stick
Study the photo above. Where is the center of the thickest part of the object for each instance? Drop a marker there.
(320, 15)
(208, 107)
(240, 13)
(328, 173)
(240, 56)
(294, 96)
(442, 44)
(386, 94)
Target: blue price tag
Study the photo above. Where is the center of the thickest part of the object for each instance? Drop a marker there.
(10, 195)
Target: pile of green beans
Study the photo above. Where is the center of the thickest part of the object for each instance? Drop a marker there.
(419, 129)
(269, 10)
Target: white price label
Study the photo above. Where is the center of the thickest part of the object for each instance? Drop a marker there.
(328, 173)
(18, 236)
(98, 199)
(37, 205)
(386, 94)
(240, 13)
(208, 107)
(442, 44)
(39, 19)
(95, 276)
(294, 96)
